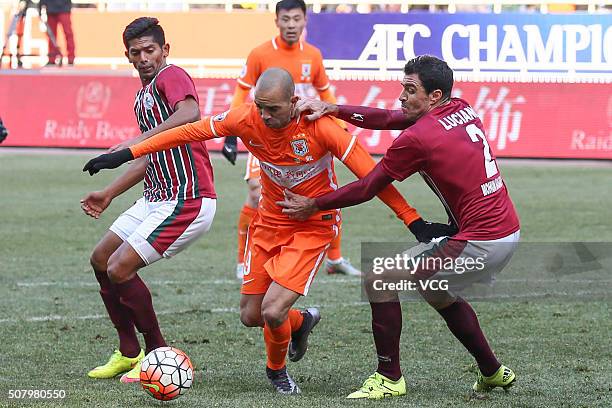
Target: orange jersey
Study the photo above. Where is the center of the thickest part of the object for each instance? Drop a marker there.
(298, 157)
(302, 60)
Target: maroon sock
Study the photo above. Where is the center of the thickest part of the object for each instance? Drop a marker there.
(387, 328)
(463, 323)
(135, 295)
(120, 316)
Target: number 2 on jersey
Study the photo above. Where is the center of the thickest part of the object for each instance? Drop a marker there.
(476, 135)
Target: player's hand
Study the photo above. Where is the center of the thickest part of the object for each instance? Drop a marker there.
(425, 231)
(316, 108)
(94, 203)
(108, 161)
(298, 207)
(230, 149)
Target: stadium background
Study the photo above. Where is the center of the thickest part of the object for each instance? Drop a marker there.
(552, 328)
(497, 56)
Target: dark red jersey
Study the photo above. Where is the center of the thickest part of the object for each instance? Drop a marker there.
(448, 147)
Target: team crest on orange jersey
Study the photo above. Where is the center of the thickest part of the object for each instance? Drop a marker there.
(300, 147)
(306, 71)
(219, 117)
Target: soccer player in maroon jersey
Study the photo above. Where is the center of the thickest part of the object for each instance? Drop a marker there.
(177, 207)
(445, 142)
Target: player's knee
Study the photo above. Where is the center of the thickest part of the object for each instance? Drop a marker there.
(98, 260)
(273, 315)
(114, 274)
(438, 299)
(250, 319)
(119, 272)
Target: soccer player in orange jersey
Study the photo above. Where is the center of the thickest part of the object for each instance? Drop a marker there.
(283, 255)
(305, 64)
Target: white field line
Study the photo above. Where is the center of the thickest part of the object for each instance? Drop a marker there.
(71, 284)
(233, 310)
(51, 318)
(48, 318)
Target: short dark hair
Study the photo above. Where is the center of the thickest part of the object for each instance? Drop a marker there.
(433, 73)
(144, 27)
(290, 5)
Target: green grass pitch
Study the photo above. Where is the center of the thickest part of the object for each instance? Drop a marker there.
(53, 326)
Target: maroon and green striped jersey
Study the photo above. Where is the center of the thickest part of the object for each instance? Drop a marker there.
(181, 173)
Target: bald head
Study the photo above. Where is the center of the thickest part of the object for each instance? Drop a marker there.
(275, 81)
(274, 97)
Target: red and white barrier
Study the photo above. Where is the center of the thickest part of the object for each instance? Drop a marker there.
(522, 120)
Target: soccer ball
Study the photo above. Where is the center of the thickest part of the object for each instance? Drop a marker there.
(166, 373)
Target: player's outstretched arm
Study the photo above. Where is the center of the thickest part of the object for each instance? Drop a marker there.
(362, 165)
(186, 111)
(360, 116)
(359, 161)
(191, 132)
(373, 118)
(95, 202)
(357, 192)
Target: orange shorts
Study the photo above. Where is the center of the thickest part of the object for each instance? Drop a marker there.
(289, 255)
(252, 167)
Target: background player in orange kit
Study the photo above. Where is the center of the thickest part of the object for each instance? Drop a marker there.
(282, 255)
(305, 64)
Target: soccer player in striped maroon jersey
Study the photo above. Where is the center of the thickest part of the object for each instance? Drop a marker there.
(177, 207)
(443, 140)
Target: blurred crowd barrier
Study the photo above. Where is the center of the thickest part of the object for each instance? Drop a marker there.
(497, 56)
(506, 47)
(358, 6)
(566, 120)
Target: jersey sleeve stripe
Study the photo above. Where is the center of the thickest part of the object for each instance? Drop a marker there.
(323, 87)
(349, 148)
(212, 127)
(244, 84)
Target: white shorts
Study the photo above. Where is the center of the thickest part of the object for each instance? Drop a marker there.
(164, 228)
(463, 263)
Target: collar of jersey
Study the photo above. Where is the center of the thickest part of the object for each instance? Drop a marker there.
(156, 75)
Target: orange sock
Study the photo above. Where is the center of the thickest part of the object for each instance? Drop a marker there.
(295, 319)
(277, 340)
(244, 220)
(335, 252)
